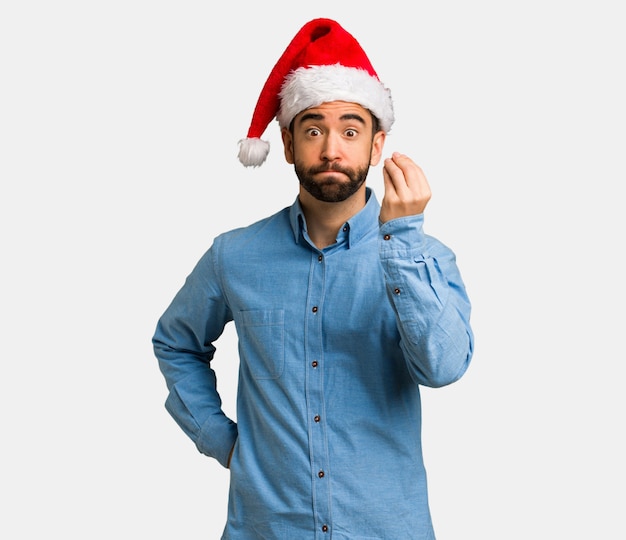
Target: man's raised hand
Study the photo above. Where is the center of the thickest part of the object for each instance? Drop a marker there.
(406, 189)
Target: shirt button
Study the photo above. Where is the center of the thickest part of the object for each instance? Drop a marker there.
(387, 237)
(324, 528)
(320, 474)
(317, 418)
(314, 310)
(320, 257)
(314, 363)
(396, 290)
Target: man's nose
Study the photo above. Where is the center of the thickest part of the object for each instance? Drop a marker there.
(331, 147)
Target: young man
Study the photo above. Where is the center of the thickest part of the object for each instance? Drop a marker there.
(343, 308)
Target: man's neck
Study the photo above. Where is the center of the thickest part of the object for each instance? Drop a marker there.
(324, 219)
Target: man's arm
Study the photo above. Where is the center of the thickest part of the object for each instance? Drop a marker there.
(423, 282)
(183, 345)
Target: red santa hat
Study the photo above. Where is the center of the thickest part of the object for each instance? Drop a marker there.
(322, 63)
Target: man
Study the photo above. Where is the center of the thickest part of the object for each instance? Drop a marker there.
(343, 308)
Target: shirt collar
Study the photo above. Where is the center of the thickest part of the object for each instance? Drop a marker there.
(357, 226)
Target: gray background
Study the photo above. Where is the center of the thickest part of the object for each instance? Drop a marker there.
(119, 124)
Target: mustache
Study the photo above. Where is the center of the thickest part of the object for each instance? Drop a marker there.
(330, 167)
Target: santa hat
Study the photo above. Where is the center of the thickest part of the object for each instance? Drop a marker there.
(322, 63)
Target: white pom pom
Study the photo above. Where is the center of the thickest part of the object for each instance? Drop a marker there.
(252, 152)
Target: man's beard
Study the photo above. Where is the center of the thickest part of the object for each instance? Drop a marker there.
(330, 189)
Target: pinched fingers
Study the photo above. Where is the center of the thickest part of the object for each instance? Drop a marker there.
(407, 191)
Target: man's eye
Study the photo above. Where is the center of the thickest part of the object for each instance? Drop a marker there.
(350, 133)
(313, 132)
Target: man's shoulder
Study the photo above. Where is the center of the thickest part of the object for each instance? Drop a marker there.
(269, 226)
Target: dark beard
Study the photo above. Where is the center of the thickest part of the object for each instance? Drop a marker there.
(331, 190)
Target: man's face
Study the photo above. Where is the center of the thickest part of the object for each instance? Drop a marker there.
(332, 148)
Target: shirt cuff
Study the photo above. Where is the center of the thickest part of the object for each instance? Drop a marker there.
(402, 237)
(217, 437)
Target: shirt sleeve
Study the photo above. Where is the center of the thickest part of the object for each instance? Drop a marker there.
(430, 301)
(183, 344)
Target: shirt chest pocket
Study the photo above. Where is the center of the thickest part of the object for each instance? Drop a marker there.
(262, 342)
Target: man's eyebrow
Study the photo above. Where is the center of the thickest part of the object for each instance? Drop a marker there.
(318, 116)
(353, 116)
(311, 116)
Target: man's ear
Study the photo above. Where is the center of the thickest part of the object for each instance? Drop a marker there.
(287, 144)
(377, 147)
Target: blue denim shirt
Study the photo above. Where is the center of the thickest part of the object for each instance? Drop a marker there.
(333, 347)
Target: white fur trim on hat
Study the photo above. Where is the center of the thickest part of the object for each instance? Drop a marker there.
(311, 86)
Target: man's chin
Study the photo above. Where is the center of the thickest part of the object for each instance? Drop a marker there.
(332, 193)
